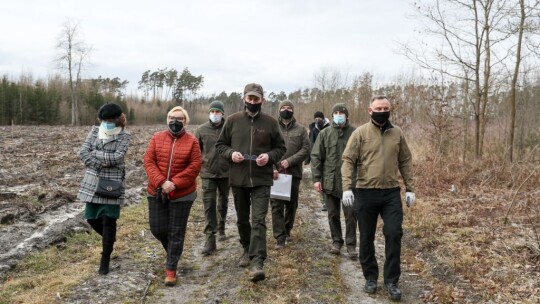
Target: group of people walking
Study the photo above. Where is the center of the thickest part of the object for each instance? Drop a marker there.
(356, 168)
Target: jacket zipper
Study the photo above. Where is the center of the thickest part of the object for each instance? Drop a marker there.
(383, 174)
(170, 159)
(250, 151)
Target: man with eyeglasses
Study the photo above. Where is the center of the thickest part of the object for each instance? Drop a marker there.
(251, 140)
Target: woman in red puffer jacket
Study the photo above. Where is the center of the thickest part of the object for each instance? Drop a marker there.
(172, 162)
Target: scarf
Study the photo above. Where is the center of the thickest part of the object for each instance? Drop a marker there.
(105, 134)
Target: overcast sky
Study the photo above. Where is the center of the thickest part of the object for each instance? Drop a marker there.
(280, 44)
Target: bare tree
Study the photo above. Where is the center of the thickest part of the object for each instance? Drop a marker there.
(73, 57)
(526, 25)
(328, 81)
(469, 39)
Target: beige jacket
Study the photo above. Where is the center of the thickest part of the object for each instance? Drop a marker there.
(377, 157)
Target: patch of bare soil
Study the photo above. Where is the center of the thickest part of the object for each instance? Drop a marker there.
(39, 179)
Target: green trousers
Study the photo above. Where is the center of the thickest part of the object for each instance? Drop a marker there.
(254, 201)
(216, 202)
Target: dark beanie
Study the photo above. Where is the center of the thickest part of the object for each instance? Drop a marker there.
(318, 114)
(109, 111)
(286, 103)
(340, 107)
(216, 105)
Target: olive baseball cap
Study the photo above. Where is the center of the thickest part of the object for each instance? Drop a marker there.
(254, 89)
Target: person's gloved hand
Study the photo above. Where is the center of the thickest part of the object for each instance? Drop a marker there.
(410, 198)
(348, 198)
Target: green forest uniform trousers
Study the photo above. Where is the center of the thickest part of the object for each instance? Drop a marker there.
(284, 212)
(216, 202)
(252, 235)
(333, 204)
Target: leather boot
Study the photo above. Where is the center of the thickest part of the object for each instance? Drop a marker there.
(108, 238)
(244, 259)
(96, 224)
(209, 247)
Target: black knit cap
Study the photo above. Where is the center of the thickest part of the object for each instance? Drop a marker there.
(109, 111)
(318, 114)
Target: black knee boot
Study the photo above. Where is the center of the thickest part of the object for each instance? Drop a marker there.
(96, 224)
(108, 239)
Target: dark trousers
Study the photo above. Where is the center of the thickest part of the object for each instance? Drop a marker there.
(371, 203)
(106, 227)
(252, 235)
(168, 223)
(215, 207)
(284, 212)
(333, 204)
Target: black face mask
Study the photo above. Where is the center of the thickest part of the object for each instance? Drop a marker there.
(175, 127)
(380, 117)
(253, 108)
(286, 114)
(320, 123)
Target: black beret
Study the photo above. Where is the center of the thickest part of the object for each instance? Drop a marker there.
(109, 111)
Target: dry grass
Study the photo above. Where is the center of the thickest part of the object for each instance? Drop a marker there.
(464, 240)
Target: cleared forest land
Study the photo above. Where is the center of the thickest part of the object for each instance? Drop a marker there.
(474, 242)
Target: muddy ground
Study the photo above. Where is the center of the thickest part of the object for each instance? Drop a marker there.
(39, 179)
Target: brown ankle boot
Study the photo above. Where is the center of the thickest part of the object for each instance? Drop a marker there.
(170, 277)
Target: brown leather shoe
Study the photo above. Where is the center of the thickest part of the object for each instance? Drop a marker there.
(336, 248)
(244, 259)
(280, 243)
(170, 277)
(209, 247)
(351, 251)
(256, 274)
(221, 235)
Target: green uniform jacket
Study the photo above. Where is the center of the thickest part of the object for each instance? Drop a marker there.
(253, 136)
(377, 157)
(298, 147)
(326, 157)
(213, 165)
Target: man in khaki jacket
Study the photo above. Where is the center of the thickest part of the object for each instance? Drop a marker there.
(378, 150)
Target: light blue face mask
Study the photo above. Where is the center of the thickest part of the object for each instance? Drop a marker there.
(108, 125)
(339, 119)
(215, 118)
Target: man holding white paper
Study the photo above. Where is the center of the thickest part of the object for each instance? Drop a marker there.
(298, 149)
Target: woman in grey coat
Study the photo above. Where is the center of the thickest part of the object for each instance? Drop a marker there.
(103, 155)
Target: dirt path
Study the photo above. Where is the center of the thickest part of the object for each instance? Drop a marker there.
(303, 272)
(215, 279)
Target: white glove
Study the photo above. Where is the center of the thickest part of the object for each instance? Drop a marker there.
(348, 198)
(410, 198)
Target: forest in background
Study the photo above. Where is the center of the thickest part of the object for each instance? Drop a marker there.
(484, 74)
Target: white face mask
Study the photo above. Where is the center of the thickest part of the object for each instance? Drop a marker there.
(215, 118)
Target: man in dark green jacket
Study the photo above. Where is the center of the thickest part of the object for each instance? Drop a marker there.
(326, 170)
(215, 177)
(379, 150)
(251, 140)
(298, 148)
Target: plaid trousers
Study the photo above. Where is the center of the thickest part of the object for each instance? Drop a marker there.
(168, 223)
